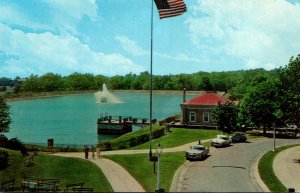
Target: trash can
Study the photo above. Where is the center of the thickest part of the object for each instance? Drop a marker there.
(50, 143)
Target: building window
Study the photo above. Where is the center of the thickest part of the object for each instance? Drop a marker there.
(206, 117)
(192, 117)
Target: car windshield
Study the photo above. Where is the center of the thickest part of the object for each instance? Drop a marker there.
(238, 134)
(225, 138)
(198, 148)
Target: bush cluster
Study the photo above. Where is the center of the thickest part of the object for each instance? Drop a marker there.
(3, 159)
(131, 142)
(67, 149)
(13, 144)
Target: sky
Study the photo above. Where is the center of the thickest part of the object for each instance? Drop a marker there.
(112, 37)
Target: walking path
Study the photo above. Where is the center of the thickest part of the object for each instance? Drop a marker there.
(287, 167)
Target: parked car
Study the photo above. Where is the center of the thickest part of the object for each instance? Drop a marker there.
(239, 137)
(220, 141)
(196, 152)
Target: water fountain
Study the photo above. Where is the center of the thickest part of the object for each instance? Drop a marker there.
(105, 96)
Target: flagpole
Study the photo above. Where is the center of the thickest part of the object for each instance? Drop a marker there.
(151, 86)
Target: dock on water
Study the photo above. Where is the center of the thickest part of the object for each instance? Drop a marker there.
(119, 124)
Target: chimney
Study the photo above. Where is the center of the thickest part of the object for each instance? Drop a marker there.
(184, 95)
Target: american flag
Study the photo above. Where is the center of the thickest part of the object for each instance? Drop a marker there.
(170, 8)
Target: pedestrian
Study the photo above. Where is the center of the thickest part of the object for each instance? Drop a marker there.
(93, 152)
(98, 151)
(86, 152)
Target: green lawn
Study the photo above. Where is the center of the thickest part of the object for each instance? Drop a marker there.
(266, 172)
(130, 135)
(141, 168)
(68, 170)
(180, 136)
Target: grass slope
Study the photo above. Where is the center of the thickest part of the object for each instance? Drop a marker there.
(179, 137)
(142, 169)
(68, 170)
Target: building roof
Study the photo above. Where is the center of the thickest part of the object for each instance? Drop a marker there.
(207, 99)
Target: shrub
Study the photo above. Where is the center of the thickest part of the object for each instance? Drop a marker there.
(106, 146)
(133, 140)
(14, 144)
(3, 159)
(158, 132)
(3, 140)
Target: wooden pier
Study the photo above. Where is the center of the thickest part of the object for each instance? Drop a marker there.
(119, 124)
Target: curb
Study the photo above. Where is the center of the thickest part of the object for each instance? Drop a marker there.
(182, 169)
(256, 176)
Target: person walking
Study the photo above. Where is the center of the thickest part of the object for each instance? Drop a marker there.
(93, 152)
(86, 152)
(98, 151)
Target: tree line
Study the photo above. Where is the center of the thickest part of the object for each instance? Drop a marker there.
(214, 81)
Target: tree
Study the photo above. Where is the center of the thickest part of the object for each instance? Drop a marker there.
(78, 81)
(32, 84)
(115, 82)
(206, 85)
(226, 116)
(99, 81)
(4, 116)
(290, 87)
(261, 105)
(51, 82)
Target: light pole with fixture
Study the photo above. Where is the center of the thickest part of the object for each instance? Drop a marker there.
(159, 149)
(274, 138)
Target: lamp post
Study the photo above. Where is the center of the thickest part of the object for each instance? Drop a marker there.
(159, 149)
(274, 138)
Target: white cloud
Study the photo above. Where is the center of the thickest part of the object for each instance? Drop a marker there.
(75, 8)
(67, 14)
(60, 16)
(45, 52)
(12, 15)
(259, 33)
(179, 57)
(131, 46)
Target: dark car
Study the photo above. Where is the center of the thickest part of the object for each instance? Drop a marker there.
(239, 137)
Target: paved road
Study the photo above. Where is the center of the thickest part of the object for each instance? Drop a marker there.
(228, 169)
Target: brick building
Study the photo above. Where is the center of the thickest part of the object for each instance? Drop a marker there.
(198, 110)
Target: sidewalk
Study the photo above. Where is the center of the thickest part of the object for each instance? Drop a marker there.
(287, 169)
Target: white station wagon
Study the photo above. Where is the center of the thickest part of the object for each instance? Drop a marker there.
(220, 141)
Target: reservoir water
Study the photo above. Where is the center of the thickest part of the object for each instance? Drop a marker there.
(73, 119)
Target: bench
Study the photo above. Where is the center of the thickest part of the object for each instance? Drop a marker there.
(29, 161)
(83, 190)
(7, 185)
(72, 186)
(48, 187)
(40, 184)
